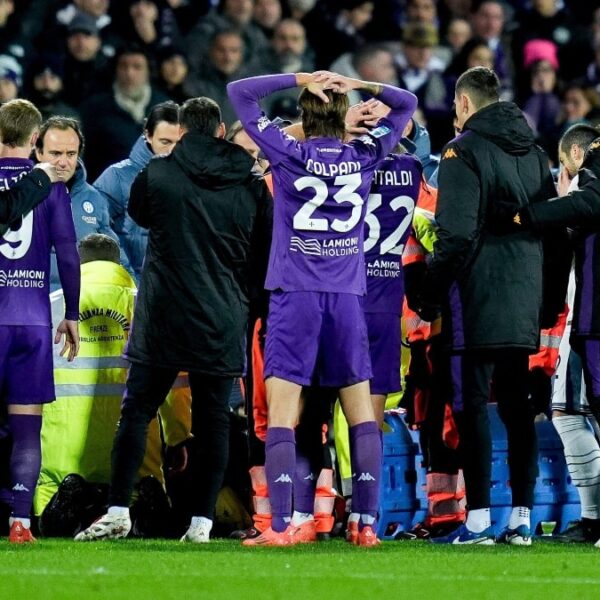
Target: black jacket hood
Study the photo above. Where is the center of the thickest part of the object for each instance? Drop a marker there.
(212, 162)
(503, 124)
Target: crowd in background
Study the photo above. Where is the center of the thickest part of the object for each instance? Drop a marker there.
(109, 62)
(106, 65)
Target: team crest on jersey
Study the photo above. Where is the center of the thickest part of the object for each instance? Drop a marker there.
(88, 207)
(263, 123)
(450, 153)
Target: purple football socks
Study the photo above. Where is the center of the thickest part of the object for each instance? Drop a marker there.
(25, 461)
(280, 466)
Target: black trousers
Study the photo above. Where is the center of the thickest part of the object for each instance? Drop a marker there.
(430, 358)
(147, 388)
(476, 376)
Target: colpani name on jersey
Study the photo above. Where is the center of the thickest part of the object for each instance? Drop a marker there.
(343, 167)
(384, 268)
(403, 178)
(333, 247)
(22, 278)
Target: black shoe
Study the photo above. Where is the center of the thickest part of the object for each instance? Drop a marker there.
(62, 515)
(585, 531)
(150, 513)
(423, 532)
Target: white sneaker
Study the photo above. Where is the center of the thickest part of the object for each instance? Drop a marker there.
(107, 527)
(198, 534)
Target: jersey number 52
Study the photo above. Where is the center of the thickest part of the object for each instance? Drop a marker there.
(392, 243)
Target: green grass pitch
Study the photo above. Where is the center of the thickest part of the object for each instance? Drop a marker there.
(140, 570)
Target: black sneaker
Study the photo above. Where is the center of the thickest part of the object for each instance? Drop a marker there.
(584, 531)
(421, 531)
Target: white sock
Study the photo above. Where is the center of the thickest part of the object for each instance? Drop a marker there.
(478, 520)
(519, 516)
(354, 518)
(299, 518)
(582, 454)
(367, 519)
(25, 522)
(118, 511)
(198, 521)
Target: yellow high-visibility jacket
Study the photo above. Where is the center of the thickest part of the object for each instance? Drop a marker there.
(79, 427)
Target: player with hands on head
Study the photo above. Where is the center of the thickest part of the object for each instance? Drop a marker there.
(317, 278)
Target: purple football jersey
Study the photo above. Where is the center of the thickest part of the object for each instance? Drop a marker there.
(25, 251)
(390, 207)
(320, 187)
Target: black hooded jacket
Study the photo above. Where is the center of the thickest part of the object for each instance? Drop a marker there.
(209, 219)
(580, 210)
(487, 276)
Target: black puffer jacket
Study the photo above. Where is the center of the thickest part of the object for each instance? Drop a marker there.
(209, 219)
(580, 209)
(487, 276)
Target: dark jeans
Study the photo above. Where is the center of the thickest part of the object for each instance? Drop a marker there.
(475, 376)
(147, 388)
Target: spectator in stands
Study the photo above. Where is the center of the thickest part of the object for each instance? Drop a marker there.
(191, 313)
(474, 53)
(87, 69)
(96, 11)
(541, 102)
(592, 75)
(300, 8)
(173, 71)
(457, 34)
(153, 24)
(112, 121)
(47, 87)
(488, 20)
(421, 11)
(267, 15)
(61, 143)
(418, 68)
(579, 104)
(225, 63)
(79, 428)
(289, 52)
(371, 62)
(161, 133)
(11, 78)
(550, 20)
(230, 14)
(420, 72)
(334, 29)
(12, 40)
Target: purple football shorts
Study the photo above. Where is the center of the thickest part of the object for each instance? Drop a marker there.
(317, 338)
(384, 348)
(26, 370)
